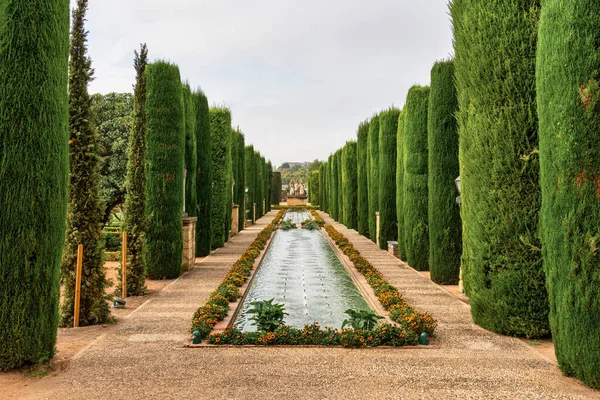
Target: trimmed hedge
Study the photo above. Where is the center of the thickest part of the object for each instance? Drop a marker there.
(416, 232)
(501, 195)
(569, 123)
(322, 186)
(269, 184)
(241, 185)
(334, 187)
(250, 181)
(203, 175)
(313, 187)
(191, 153)
(350, 191)
(34, 51)
(220, 128)
(445, 231)
(276, 188)
(373, 176)
(235, 168)
(165, 161)
(362, 203)
(340, 185)
(388, 131)
(400, 184)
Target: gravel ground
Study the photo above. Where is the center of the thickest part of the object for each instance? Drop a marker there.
(145, 357)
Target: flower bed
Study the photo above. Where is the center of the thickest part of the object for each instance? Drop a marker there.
(217, 306)
(318, 218)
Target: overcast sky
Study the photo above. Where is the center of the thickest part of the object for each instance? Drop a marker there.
(297, 76)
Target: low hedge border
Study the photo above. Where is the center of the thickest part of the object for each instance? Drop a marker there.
(217, 306)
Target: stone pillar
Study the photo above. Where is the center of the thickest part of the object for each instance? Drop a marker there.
(254, 213)
(235, 222)
(377, 222)
(189, 243)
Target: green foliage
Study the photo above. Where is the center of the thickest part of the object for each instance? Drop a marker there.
(240, 187)
(135, 197)
(165, 162)
(323, 186)
(203, 175)
(388, 131)
(332, 183)
(287, 225)
(236, 135)
(361, 319)
(85, 208)
(314, 192)
(373, 177)
(250, 181)
(220, 128)
(349, 184)
(498, 142)
(339, 185)
(270, 184)
(276, 188)
(567, 69)
(400, 184)
(311, 225)
(112, 118)
(445, 232)
(362, 151)
(259, 182)
(416, 232)
(191, 152)
(34, 165)
(267, 316)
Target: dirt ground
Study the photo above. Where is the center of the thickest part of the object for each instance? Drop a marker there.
(71, 341)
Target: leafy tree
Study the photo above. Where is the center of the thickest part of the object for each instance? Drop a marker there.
(135, 196)
(112, 118)
(85, 208)
(34, 165)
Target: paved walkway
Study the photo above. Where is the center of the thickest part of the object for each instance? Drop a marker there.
(144, 357)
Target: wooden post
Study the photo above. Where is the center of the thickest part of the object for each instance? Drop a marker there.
(78, 285)
(124, 266)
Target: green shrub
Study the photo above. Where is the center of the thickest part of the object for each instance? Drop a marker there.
(400, 184)
(416, 233)
(373, 181)
(388, 131)
(498, 156)
(323, 186)
(34, 51)
(314, 191)
(445, 232)
(349, 183)
(334, 187)
(569, 123)
(362, 151)
(165, 161)
(85, 208)
(191, 153)
(250, 180)
(220, 128)
(276, 188)
(203, 175)
(339, 185)
(241, 183)
(269, 180)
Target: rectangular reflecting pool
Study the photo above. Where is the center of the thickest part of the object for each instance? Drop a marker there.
(301, 270)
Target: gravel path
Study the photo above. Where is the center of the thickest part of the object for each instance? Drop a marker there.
(144, 357)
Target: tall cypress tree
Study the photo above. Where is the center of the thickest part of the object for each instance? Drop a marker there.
(400, 184)
(135, 182)
(203, 175)
(269, 185)
(191, 153)
(416, 194)
(388, 130)
(323, 187)
(165, 161)
(250, 181)
(331, 186)
(34, 49)
(350, 184)
(85, 208)
(498, 153)
(235, 167)
(220, 128)
(373, 175)
(276, 188)
(340, 185)
(445, 233)
(241, 187)
(362, 150)
(569, 118)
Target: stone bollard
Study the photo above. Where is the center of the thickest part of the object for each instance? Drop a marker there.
(189, 243)
(235, 212)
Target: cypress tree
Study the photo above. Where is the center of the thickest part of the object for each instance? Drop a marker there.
(388, 131)
(400, 184)
(85, 208)
(203, 175)
(34, 49)
(373, 175)
(350, 184)
(259, 190)
(445, 232)
(323, 186)
(335, 188)
(135, 182)
(241, 187)
(231, 191)
(276, 188)
(191, 153)
(416, 232)
(340, 186)
(569, 123)
(236, 136)
(362, 150)
(313, 187)
(164, 180)
(250, 180)
(498, 146)
(220, 128)
(331, 186)
(270, 184)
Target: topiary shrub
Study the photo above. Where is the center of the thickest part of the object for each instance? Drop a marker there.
(445, 232)
(220, 128)
(203, 175)
(400, 184)
(569, 121)
(362, 203)
(349, 183)
(373, 182)
(388, 131)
